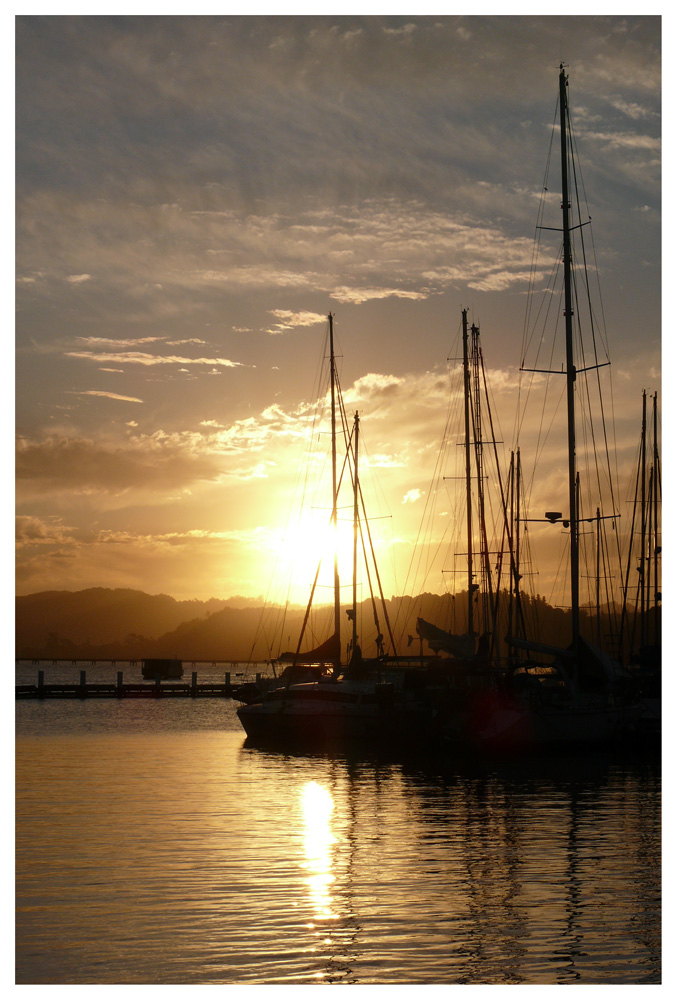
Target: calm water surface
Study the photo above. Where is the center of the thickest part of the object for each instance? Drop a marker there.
(155, 847)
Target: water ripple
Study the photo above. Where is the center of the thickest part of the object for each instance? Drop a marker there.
(176, 854)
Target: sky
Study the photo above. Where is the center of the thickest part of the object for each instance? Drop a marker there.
(195, 194)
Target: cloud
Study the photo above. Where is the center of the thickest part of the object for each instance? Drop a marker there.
(108, 395)
(404, 32)
(162, 460)
(118, 342)
(32, 530)
(140, 358)
(169, 460)
(152, 463)
(290, 320)
(627, 140)
(373, 247)
(359, 295)
(252, 537)
(633, 110)
(412, 496)
(498, 281)
(78, 279)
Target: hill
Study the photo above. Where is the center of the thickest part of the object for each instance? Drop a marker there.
(129, 624)
(58, 620)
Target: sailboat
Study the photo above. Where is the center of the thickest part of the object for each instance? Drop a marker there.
(470, 655)
(359, 699)
(462, 646)
(641, 623)
(580, 693)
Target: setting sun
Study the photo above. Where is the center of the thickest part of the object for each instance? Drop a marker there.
(310, 542)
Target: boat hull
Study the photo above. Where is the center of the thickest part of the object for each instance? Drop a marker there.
(513, 725)
(328, 723)
(162, 669)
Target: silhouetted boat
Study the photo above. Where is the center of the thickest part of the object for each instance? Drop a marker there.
(553, 695)
(583, 695)
(298, 673)
(641, 625)
(576, 694)
(164, 670)
(470, 657)
(373, 699)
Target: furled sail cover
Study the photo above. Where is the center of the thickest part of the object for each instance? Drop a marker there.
(462, 646)
(329, 652)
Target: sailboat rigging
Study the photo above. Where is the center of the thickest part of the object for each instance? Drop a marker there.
(592, 700)
(363, 697)
(640, 631)
(487, 692)
(483, 576)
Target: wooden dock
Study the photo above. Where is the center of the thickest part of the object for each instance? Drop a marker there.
(155, 689)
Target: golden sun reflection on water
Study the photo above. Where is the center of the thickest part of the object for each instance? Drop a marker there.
(317, 806)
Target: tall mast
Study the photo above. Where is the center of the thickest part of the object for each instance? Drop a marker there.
(334, 486)
(571, 370)
(518, 576)
(642, 544)
(598, 542)
(513, 572)
(468, 484)
(655, 520)
(356, 529)
(477, 362)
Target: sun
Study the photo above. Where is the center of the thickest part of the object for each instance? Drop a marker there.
(310, 543)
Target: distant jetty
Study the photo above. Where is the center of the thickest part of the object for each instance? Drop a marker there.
(120, 689)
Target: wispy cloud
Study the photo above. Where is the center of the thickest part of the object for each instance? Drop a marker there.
(32, 530)
(83, 465)
(289, 320)
(404, 32)
(108, 395)
(634, 110)
(113, 342)
(140, 358)
(359, 295)
(627, 140)
(373, 249)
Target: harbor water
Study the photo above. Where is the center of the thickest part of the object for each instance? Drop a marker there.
(155, 846)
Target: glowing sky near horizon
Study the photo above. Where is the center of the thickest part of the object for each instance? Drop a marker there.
(195, 194)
